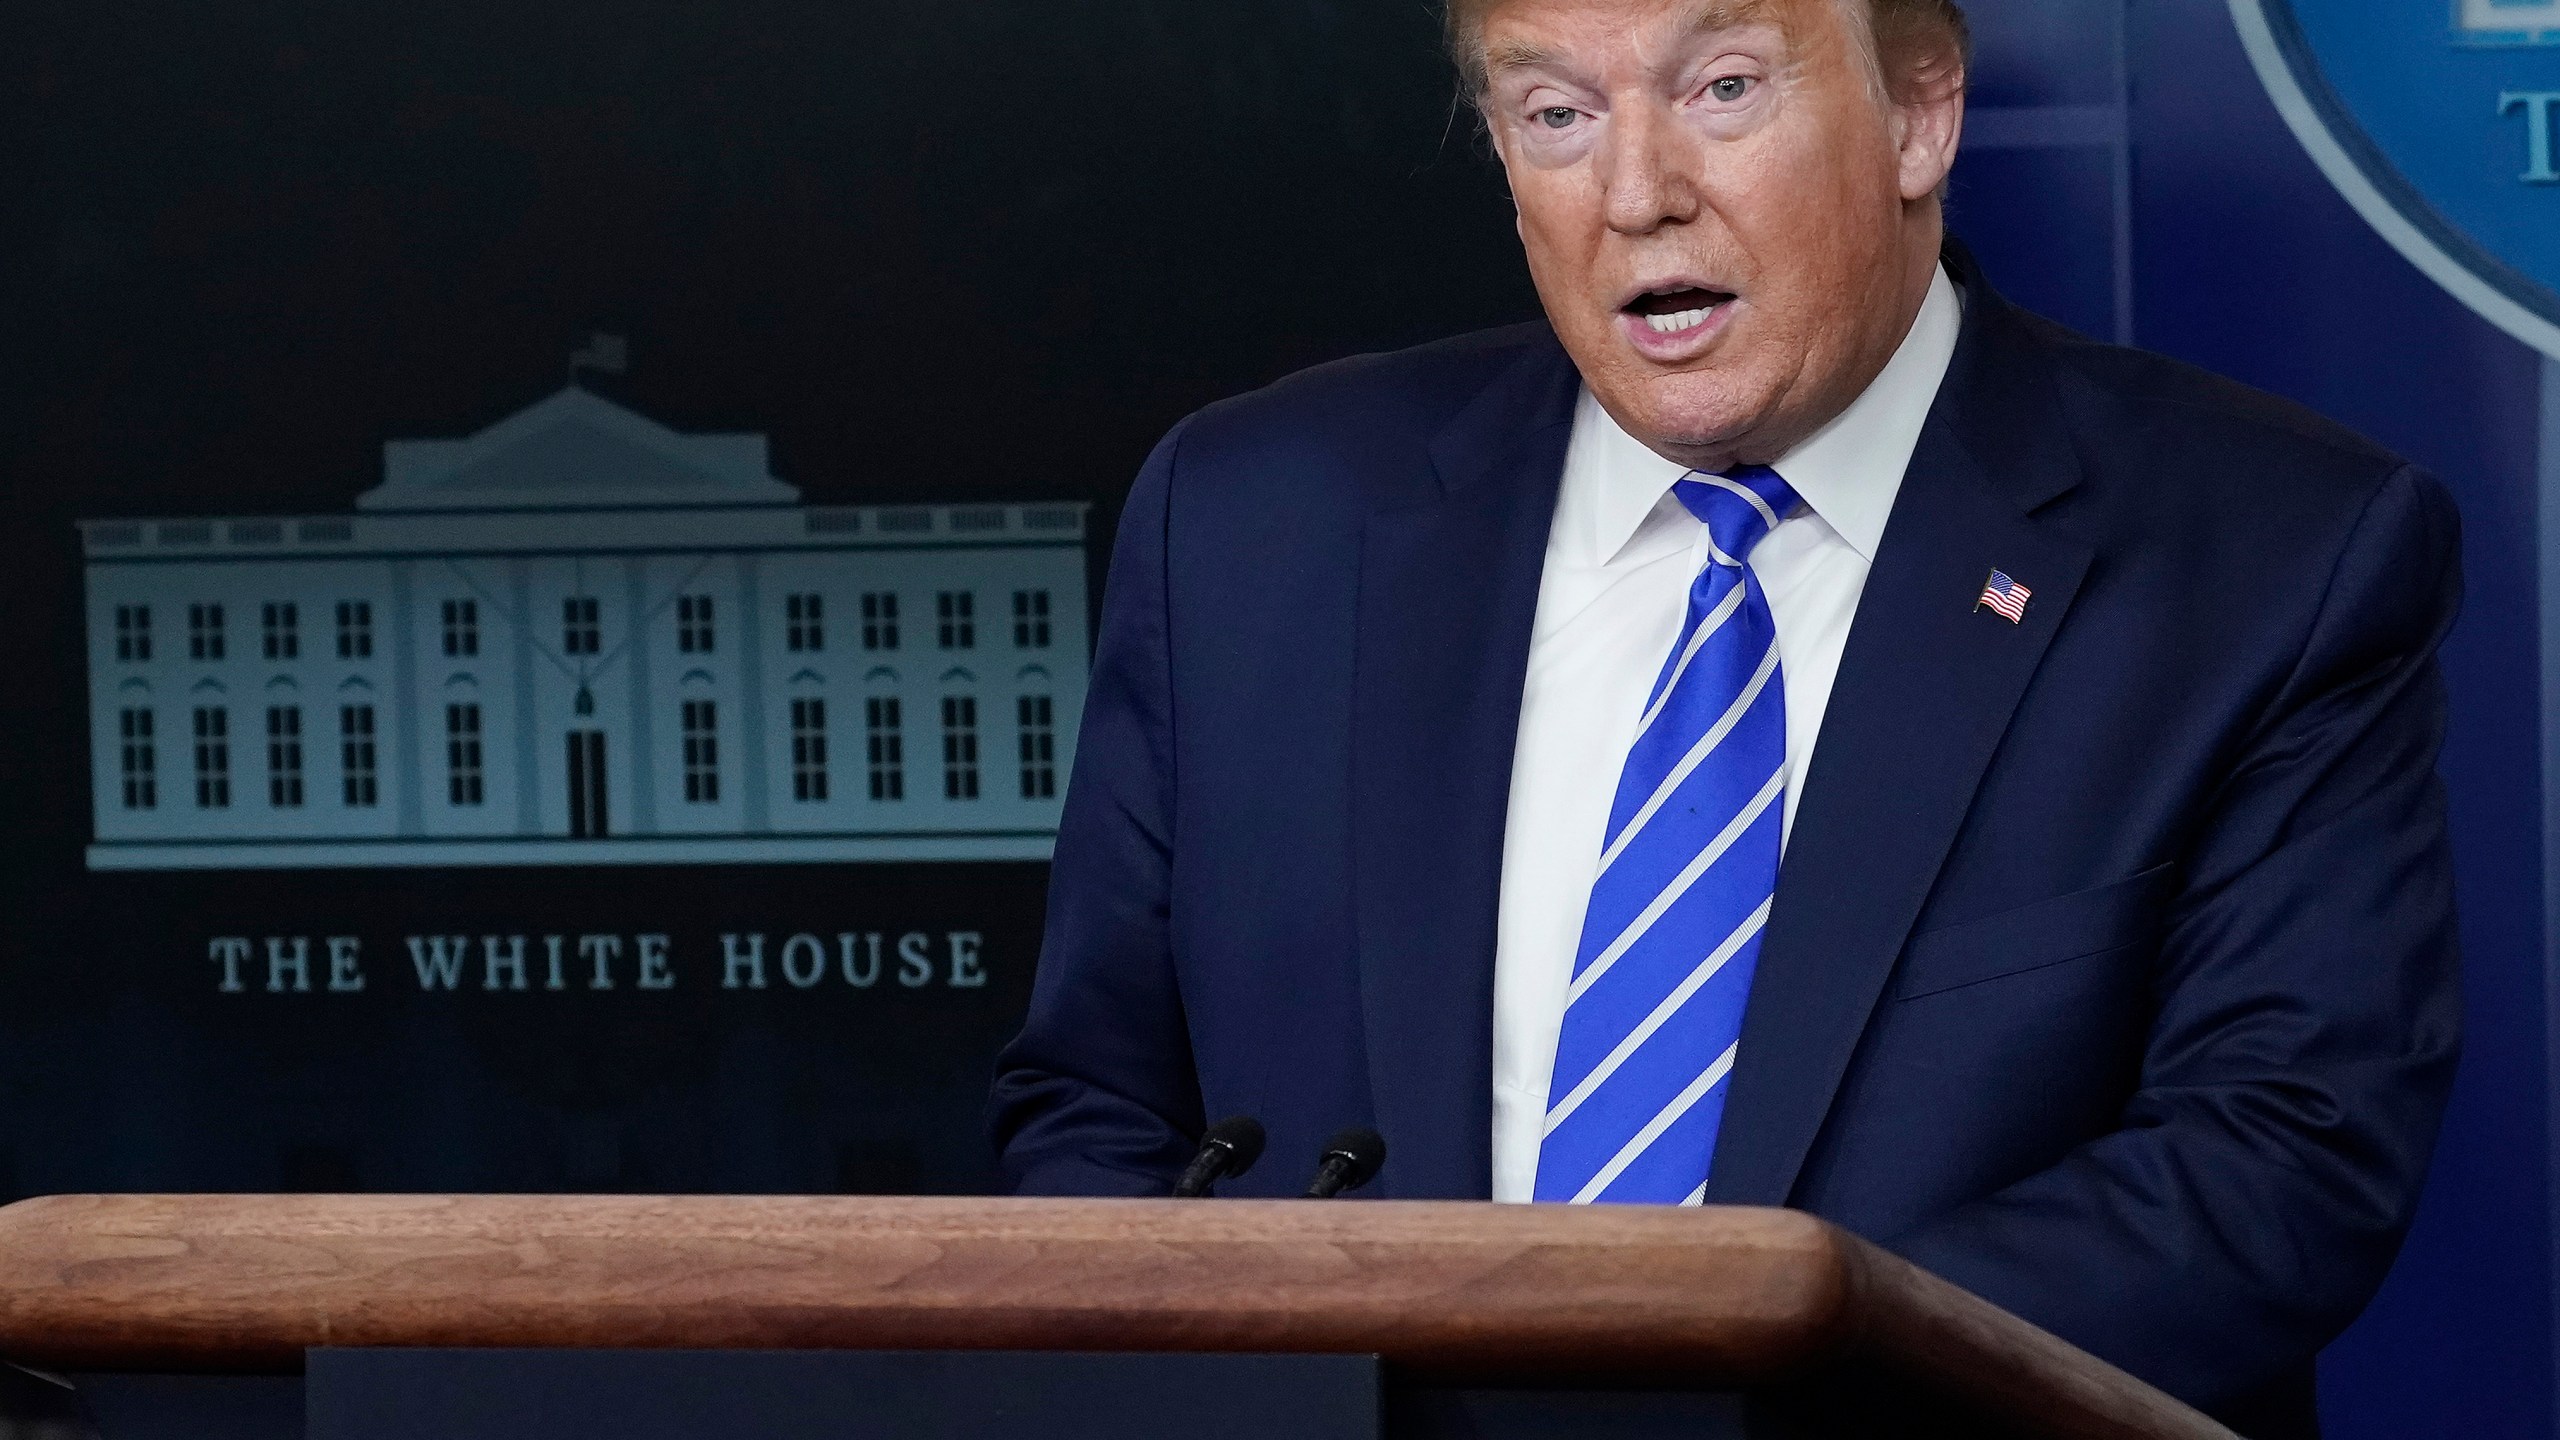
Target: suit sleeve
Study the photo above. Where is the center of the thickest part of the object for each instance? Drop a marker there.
(1098, 1096)
(2308, 1021)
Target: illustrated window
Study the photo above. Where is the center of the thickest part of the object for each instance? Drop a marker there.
(805, 618)
(957, 610)
(1039, 748)
(213, 757)
(887, 751)
(880, 620)
(808, 749)
(355, 629)
(141, 760)
(284, 756)
(204, 632)
(959, 747)
(581, 626)
(701, 752)
(281, 620)
(693, 624)
(461, 629)
(133, 633)
(465, 782)
(357, 757)
(1031, 619)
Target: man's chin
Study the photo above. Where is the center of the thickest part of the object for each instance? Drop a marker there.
(1687, 417)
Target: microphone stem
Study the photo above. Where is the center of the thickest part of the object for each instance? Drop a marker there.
(1206, 1167)
(1329, 1178)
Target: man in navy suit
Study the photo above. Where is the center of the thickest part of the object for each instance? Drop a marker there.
(1791, 729)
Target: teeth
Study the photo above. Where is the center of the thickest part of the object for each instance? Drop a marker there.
(1678, 321)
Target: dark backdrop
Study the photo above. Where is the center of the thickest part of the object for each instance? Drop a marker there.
(962, 250)
(938, 252)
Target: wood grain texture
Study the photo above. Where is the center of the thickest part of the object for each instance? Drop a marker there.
(1720, 1296)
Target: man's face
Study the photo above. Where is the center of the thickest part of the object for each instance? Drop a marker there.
(1730, 227)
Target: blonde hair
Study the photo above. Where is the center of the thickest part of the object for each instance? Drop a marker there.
(1918, 47)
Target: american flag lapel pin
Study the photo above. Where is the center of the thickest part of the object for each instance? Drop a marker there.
(2006, 597)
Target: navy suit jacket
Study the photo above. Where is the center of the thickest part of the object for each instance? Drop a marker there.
(2112, 968)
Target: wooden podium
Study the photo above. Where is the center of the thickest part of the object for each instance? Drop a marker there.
(1464, 1319)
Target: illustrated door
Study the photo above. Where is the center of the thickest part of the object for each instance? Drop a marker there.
(586, 785)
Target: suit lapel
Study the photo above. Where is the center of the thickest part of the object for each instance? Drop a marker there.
(1448, 598)
(1925, 691)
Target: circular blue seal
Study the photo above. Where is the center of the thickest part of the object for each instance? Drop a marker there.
(2440, 122)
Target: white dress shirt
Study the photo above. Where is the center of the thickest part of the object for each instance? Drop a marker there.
(1619, 564)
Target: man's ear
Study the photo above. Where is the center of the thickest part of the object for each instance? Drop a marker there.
(1928, 125)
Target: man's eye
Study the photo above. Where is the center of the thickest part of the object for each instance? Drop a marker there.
(1730, 88)
(1558, 117)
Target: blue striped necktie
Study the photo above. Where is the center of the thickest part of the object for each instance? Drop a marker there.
(1672, 935)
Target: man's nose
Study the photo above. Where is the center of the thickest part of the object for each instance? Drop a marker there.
(1645, 171)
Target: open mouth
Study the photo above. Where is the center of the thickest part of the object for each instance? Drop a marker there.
(1668, 312)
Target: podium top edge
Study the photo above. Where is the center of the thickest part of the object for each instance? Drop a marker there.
(1514, 1293)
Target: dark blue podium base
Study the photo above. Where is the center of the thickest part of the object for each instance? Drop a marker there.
(845, 1395)
(196, 1407)
(634, 1395)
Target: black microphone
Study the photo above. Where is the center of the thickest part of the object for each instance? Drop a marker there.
(1350, 1160)
(1229, 1149)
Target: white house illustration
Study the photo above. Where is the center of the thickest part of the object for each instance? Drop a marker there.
(579, 637)
(2510, 22)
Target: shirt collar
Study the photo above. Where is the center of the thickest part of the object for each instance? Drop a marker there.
(1848, 472)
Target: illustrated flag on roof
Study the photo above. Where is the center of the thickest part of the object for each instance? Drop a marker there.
(609, 354)
(2006, 596)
